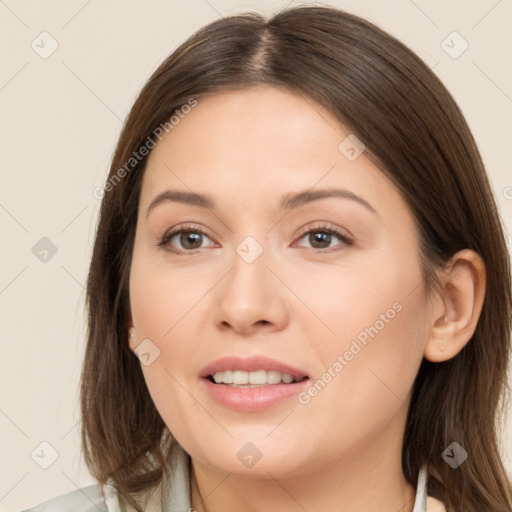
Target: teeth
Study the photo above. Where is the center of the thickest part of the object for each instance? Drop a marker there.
(259, 377)
(252, 379)
(273, 377)
(287, 378)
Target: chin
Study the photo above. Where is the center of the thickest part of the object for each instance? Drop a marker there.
(261, 458)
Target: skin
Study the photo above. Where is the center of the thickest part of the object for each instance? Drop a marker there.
(297, 302)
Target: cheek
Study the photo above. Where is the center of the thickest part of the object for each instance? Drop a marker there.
(168, 307)
(373, 316)
(162, 298)
(369, 295)
(369, 365)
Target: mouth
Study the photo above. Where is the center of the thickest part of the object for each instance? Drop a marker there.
(251, 384)
(255, 370)
(254, 379)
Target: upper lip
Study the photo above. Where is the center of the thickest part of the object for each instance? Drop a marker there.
(250, 364)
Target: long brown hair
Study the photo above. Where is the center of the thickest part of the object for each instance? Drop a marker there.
(416, 134)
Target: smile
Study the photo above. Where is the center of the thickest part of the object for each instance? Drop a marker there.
(241, 378)
(251, 384)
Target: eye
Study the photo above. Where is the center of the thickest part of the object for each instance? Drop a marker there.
(324, 238)
(186, 239)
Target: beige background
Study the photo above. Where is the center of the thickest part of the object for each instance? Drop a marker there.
(61, 116)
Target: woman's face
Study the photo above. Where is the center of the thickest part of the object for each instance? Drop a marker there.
(275, 251)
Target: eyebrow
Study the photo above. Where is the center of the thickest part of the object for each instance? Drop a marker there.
(289, 201)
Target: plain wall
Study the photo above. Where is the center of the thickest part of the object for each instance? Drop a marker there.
(61, 117)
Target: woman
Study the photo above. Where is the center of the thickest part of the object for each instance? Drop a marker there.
(299, 243)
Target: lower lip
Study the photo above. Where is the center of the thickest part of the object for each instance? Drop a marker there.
(252, 399)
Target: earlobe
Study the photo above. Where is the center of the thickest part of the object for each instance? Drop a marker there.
(463, 293)
(440, 346)
(132, 338)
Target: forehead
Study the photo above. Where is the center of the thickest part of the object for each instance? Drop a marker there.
(254, 144)
(266, 122)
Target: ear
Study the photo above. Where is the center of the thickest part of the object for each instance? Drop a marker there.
(458, 307)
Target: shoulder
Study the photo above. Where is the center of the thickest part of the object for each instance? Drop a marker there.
(85, 499)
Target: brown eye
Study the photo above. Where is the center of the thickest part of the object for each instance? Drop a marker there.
(186, 240)
(191, 240)
(324, 238)
(319, 239)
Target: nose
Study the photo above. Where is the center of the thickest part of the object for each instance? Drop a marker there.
(251, 299)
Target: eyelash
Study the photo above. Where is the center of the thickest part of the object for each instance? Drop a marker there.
(191, 229)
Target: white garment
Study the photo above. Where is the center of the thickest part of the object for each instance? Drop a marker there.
(176, 497)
